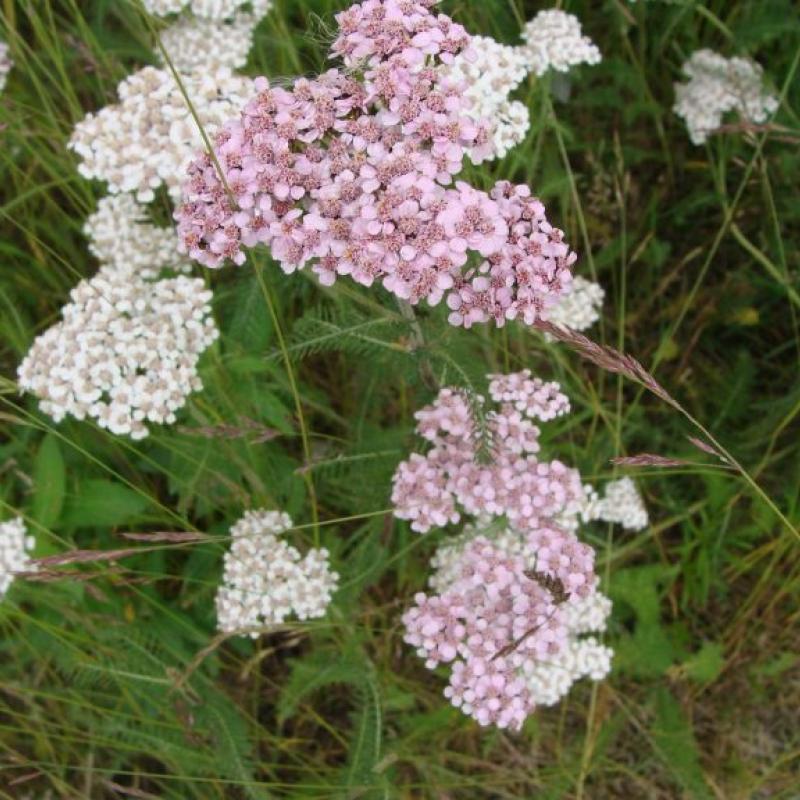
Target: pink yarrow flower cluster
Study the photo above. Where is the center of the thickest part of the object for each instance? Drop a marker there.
(355, 173)
(503, 612)
(433, 489)
(488, 624)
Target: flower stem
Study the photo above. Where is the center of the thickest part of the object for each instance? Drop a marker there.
(298, 403)
(418, 343)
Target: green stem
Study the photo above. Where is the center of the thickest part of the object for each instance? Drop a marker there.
(298, 404)
(418, 343)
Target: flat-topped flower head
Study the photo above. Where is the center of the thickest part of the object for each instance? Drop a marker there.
(357, 176)
(621, 504)
(487, 624)
(554, 41)
(148, 139)
(194, 44)
(581, 657)
(451, 479)
(718, 86)
(266, 580)
(396, 31)
(15, 548)
(501, 616)
(121, 236)
(125, 353)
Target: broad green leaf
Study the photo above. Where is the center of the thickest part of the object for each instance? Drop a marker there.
(101, 503)
(648, 653)
(777, 666)
(50, 482)
(639, 588)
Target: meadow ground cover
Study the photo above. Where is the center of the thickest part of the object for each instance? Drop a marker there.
(396, 405)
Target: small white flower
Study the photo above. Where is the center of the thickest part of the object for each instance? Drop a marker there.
(265, 580)
(489, 72)
(549, 681)
(621, 504)
(196, 43)
(5, 64)
(15, 547)
(717, 86)
(121, 236)
(579, 309)
(121, 340)
(554, 40)
(149, 138)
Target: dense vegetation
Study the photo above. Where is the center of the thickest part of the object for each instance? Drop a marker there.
(114, 681)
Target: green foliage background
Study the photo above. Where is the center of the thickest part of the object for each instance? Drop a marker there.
(113, 683)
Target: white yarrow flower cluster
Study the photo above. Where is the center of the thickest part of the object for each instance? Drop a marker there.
(579, 309)
(554, 40)
(511, 123)
(490, 71)
(717, 86)
(15, 547)
(581, 656)
(211, 9)
(197, 43)
(5, 64)
(621, 504)
(121, 236)
(127, 349)
(580, 511)
(125, 352)
(149, 138)
(266, 580)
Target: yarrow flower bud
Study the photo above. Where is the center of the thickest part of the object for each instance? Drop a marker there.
(266, 580)
(554, 40)
(15, 547)
(357, 178)
(717, 86)
(434, 489)
(125, 352)
(121, 236)
(149, 138)
(5, 64)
